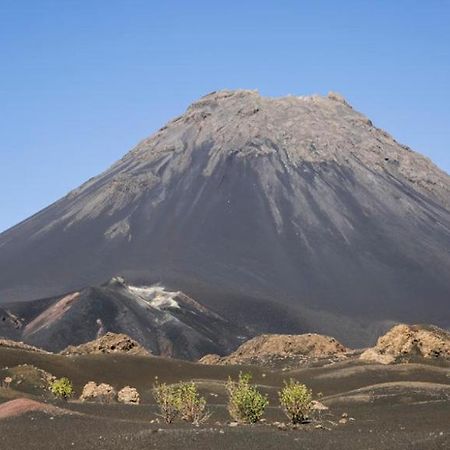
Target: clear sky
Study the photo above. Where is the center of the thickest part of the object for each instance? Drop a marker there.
(82, 81)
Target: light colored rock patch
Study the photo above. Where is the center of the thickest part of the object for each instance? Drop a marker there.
(157, 296)
(128, 395)
(117, 230)
(102, 393)
(404, 342)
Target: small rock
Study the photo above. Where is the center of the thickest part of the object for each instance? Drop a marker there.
(343, 421)
(282, 427)
(344, 415)
(318, 406)
(233, 424)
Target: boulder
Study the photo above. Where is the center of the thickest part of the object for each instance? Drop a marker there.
(102, 393)
(128, 395)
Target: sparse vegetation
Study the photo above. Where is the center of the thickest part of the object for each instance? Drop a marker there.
(295, 400)
(167, 398)
(245, 404)
(62, 388)
(191, 406)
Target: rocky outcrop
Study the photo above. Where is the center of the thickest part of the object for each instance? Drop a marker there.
(128, 395)
(102, 393)
(404, 343)
(285, 350)
(109, 343)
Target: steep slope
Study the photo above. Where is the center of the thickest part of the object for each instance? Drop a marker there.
(164, 322)
(290, 214)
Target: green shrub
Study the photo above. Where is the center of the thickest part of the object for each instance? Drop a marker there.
(191, 406)
(62, 388)
(167, 398)
(245, 404)
(295, 399)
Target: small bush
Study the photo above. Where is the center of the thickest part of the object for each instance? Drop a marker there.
(295, 399)
(245, 404)
(62, 388)
(191, 406)
(167, 398)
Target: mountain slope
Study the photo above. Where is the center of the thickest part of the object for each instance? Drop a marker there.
(165, 323)
(297, 204)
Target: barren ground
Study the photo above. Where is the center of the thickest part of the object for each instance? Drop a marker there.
(394, 407)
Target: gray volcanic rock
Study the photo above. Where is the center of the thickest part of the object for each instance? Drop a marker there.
(285, 214)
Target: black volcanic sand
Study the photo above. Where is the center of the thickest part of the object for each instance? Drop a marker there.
(394, 407)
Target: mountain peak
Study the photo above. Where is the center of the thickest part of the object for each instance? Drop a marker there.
(296, 203)
(292, 131)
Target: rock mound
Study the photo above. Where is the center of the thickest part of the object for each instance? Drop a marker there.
(285, 349)
(406, 342)
(102, 393)
(109, 343)
(128, 395)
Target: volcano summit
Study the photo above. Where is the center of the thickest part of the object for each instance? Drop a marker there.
(285, 214)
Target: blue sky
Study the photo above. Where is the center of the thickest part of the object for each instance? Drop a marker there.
(81, 82)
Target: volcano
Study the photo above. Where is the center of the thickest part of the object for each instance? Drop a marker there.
(288, 214)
